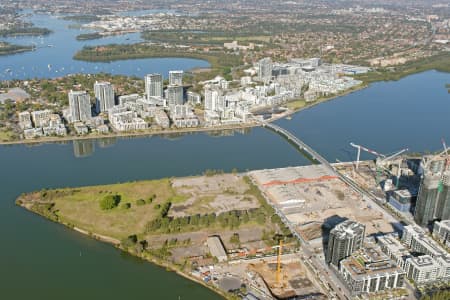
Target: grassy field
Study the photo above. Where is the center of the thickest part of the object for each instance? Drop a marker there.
(297, 104)
(165, 206)
(80, 207)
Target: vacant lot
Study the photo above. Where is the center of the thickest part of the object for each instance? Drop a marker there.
(212, 194)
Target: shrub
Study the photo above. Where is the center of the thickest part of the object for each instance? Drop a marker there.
(140, 202)
(129, 241)
(126, 205)
(109, 202)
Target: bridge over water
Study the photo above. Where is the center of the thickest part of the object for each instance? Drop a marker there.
(319, 158)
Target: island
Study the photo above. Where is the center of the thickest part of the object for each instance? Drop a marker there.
(24, 31)
(88, 36)
(180, 223)
(7, 48)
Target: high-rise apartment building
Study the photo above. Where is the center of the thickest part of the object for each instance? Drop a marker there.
(176, 78)
(153, 85)
(344, 239)
(433, 200)
(175, 95)
(80, 106)
(265, 67)
(104, 96)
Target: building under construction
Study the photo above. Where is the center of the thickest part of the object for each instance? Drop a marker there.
(433, 200)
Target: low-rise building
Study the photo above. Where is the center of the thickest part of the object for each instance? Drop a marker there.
(128, 98)
(160, 117)
(41, 117)
(80, 128)
(127, 121)
(368, 270)
(182, 116)
(441, 231)
(194, 98)
(32, 133)
(422, 269)
(418, 241)
(216, 248)
(392, 247)
(401, 200)
(25, 120)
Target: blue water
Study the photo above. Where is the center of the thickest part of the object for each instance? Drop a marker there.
(43, 260)
(35, 64)
(388, 116)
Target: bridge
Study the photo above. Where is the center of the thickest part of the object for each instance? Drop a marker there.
(317, 157)
(314, 263)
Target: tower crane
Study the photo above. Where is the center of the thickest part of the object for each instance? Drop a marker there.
(359, 147)
(380, 160)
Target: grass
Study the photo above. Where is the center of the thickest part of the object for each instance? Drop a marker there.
(296, 104)
(80, 207)
(5, 136)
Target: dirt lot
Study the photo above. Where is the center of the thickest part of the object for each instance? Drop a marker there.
(309, 194)
(217, 194)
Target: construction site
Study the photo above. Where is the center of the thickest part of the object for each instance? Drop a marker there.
(280, 276)
(312, 199)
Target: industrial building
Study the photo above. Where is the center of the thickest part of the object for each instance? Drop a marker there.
(344, 239)
(216, 248)
(433, 200)
(441, 231)
(104, 96)
(368, 270)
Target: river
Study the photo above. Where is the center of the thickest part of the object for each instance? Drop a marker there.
(57, 60)
(43, 260)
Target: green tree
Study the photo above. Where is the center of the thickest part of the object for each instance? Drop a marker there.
(234, 239)
(109, 202)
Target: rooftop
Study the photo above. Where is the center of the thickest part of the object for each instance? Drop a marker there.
(369, 261)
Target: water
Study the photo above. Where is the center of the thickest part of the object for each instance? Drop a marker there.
(389, 116)
(35, 64)
(44, 260)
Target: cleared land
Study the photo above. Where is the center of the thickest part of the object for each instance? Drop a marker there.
(315, 200)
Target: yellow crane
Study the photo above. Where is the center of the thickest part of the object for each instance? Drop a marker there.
(280, 250)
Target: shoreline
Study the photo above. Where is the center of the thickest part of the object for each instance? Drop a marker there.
(116, 244)
(51, 140)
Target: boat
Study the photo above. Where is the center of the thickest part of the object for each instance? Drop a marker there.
(288, 118)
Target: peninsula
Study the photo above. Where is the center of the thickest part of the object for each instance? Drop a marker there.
(168, 221)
